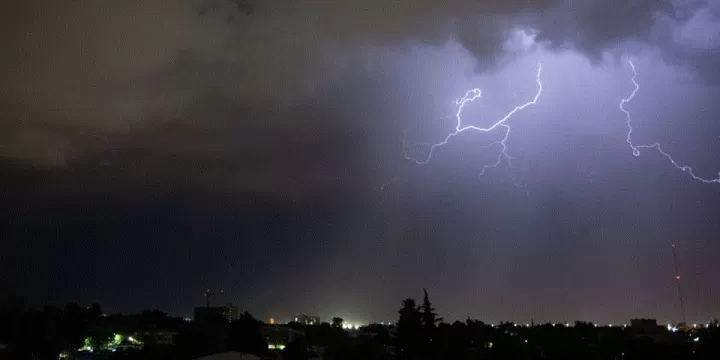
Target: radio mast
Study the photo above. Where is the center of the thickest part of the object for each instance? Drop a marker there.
(677, 280)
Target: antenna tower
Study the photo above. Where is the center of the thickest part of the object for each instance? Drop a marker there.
(677, 280)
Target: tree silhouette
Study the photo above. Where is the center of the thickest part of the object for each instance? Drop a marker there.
(428, 314)
(337, 322)
(409, 330)
(325, 335)
(94, 311)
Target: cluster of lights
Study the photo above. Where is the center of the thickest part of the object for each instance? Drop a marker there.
(113, 343)
(351, 326)
(276, 347)
(700, 326)
(87, 345)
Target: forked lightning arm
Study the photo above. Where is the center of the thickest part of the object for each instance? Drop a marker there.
(473, 94)
(656, 145)
(470, 96)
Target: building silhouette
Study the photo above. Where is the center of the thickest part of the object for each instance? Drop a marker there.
(214, 314)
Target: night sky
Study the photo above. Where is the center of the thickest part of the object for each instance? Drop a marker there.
(152, 149)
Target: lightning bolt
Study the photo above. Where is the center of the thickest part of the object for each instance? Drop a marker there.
(470, 96)
(656, 145)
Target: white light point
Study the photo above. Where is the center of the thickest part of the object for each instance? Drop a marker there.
(470, 96)
(656, 145)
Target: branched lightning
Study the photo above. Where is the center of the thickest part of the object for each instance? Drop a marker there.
(470, 96)
(656, 145)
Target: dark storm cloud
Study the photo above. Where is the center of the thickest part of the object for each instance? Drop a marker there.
(691, 40)
(592, 27)
(113, 66)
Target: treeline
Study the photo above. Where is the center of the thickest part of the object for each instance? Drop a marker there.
(419, 334)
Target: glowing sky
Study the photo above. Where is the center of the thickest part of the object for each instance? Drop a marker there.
(152, 149)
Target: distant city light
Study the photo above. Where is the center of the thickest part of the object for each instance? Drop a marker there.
(87, 345)
(697, 339)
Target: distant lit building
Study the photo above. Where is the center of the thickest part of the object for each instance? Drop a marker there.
(230, 312)
(209, 314)
(307, 320)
